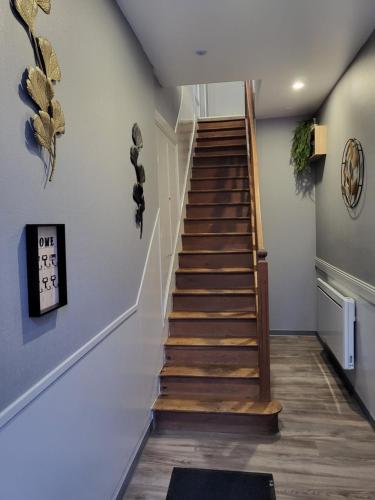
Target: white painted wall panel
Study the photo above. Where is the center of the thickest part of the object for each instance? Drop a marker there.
(75, 441)
(226, 99)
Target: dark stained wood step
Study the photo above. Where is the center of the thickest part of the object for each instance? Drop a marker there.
(221, 134)
(219, 196)
(214, 145)
(211, 342)
(223, 388)
(227, 158)
(204, 126)
(204, 183)
(218, 324)
(216, 415)
(228, 171)
(222, 153)
(215, 258)
(222, 351)
(216, 241)
(217, 225)
(205, 210)
(217, 278)
(210, 371)
(210, 300)
(219, 357)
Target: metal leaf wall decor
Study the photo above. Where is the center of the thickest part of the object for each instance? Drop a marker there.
(49, 123)
(138, 196)
(352, 173)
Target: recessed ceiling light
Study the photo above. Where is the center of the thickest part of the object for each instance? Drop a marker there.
(298, 85)
(201, 52)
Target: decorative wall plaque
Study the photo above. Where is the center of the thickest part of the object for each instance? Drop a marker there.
(46, 268)
(49, 122)
(138, 196)
(352, 173)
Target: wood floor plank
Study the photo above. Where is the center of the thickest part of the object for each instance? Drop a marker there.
(325, 449)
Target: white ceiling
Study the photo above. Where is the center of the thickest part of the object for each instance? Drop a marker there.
(275, 41)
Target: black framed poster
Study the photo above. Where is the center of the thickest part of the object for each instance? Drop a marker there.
(46, 268)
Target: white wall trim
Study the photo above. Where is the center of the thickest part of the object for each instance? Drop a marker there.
(363, 289)
(27, 397)
(164, 126)
(180, 221)
(180, 109)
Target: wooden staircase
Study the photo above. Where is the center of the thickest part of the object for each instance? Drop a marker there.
(216, 375)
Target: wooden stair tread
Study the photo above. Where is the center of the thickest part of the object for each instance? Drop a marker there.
(211, 342)
(222, 165)
(220, 270)
(220, 154)
(241, 177)
(214, 252)
(229, 143)
(212, 405)
(211, 371)
(213, 291)
(212, 235)
(217, 135)
(221, 315)
(194, 219)
(222, 204)
(230, 190)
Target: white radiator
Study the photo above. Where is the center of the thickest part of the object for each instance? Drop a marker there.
(336, 318)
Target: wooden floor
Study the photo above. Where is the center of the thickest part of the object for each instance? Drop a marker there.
(325, 450)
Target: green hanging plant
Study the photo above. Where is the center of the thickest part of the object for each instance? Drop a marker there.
(301, 146)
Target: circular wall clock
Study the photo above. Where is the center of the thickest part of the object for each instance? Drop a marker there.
(352, 173)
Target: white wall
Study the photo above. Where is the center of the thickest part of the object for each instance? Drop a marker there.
(288, 211)
(226, 99)
(174, 154)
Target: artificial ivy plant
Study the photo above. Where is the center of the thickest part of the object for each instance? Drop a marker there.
(301, 146)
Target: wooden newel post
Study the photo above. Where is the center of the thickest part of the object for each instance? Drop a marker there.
(263, 328)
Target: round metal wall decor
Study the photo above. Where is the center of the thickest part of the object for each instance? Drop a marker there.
(352, 173)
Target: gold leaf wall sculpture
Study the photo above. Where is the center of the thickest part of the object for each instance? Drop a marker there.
(49, 123)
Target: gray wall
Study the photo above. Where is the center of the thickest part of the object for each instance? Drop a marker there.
(107, 85)
(168, 102)
(288, 211)
(347, 240)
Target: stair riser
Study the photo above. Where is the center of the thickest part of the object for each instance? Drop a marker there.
(213, 328)
(222, 388)
(203, 422)
(214, 147)
(230, 171)
(197, 356)
(230, 159)
(212, 304)
(221, 125)
(216, 242)
(219, 197)
(229, 184)
(198, 211)
(217, 135)
(217, 226)
(214, 281)
(215, 261)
